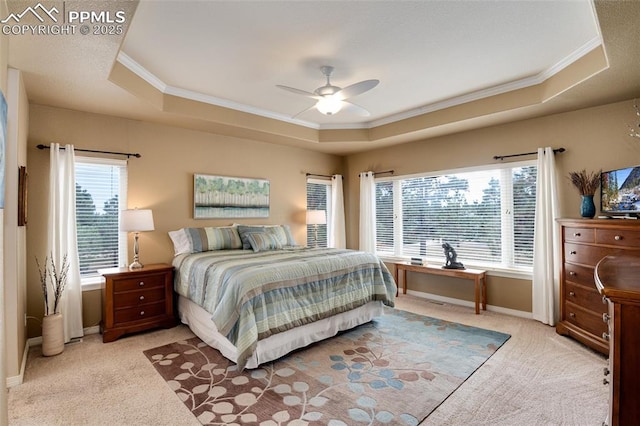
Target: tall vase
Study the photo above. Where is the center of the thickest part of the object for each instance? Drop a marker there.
(52, 335)
(587, 208)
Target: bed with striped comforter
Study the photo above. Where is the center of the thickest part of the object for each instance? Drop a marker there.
(251, 296)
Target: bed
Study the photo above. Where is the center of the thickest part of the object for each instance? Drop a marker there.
(255, 305)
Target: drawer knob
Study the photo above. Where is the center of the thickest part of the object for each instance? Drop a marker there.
(576, 234)
(141, 313)
(572, 273)
(572, 294)
(605, 336)
(605, 317)
(572, 314)
(605, 381)
(141, 297)
(618, 237)
(141, 283)
(604, 299)
(606, 371)
(572, 252)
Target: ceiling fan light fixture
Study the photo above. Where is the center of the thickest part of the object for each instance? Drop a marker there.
(329, 105)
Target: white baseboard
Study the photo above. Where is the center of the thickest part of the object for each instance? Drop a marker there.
(460, 302)
(35, 341)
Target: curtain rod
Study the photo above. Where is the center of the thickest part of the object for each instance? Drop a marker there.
(381, 173)
(502, 157)
(316, 175)
(95, 151)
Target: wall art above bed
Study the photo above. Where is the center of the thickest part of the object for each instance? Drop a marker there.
(222, 197)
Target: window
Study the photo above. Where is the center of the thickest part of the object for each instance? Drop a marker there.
(487, 215)
(318, 198)
(101, 190)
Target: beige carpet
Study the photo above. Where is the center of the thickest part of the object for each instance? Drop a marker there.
(536, 378)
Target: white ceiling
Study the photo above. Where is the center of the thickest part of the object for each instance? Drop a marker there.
(428, 55)
(425, 53)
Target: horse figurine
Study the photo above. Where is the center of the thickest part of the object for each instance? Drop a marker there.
(451, 256)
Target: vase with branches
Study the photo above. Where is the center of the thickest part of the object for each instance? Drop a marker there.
(53, 280)
(587, 183)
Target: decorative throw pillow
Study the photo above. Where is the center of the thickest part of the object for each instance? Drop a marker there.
(281, 232)
(263, 241)
(196, 240)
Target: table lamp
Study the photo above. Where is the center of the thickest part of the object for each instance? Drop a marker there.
(136, 221)
(315, 218)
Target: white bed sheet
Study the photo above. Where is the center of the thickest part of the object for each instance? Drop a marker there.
(277, 345)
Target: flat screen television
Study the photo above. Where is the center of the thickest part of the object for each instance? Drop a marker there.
(620, 191)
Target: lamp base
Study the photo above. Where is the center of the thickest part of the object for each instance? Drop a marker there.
(135, 265)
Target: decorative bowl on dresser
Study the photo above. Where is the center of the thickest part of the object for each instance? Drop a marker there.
(136, 300)
(618, 280)
(584, 243)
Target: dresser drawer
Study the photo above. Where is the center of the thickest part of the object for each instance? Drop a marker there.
(139, 313)
(579, 274)
(136, 298)
(583, 235)
(588, 298)
(137, 283)
(585, 254)
(587, 320)
(619, 238)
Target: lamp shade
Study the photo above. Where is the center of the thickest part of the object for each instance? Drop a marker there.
(136, 220)
(316, 217)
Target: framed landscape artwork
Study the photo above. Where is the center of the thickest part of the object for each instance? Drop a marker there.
(220, 197)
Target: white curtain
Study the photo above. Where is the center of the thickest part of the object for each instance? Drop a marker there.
(62, 235)
(337, 236)
(367, 212)
(546, 258)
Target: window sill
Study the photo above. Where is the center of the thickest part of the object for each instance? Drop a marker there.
(92, 283)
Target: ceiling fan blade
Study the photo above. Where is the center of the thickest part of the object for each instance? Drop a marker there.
(356, 89)
(355, 108)
(299, 92)
(303, 111)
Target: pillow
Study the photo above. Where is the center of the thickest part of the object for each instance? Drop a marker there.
(263, 241)
(275, 230)
(196, 240)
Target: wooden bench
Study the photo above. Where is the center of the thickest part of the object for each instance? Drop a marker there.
(477, 275)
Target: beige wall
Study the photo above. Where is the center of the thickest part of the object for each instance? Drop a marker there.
(594, 138)
(162, 180)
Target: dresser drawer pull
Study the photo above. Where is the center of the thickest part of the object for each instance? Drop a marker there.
(572, 314)
(605, 317)
(141, 297)
(618, 238)
(605, 336)
(572, 252)
(606, 371)
(141, 313)
(604, 299)
(141, 283)
(605, 381)
(572, 273)
(576, 234)
(572, 294)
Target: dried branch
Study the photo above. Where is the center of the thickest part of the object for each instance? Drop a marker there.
(58, 278)
(587, 183)
(44, 276)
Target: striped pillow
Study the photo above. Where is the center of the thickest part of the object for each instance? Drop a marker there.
(263, 241)
(196, 240)
(281, 232)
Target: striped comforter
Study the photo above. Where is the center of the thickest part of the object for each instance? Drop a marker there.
(253, 295)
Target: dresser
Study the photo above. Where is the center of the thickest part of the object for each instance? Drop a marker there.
(618, 280)
(584, 243)
(136, 300)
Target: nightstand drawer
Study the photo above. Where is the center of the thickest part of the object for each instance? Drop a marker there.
(136, 298)
(139, 313)
(138, 283)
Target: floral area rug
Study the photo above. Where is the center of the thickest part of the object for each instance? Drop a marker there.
(394, 370)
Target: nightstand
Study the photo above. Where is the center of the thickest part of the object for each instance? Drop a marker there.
(136, 300)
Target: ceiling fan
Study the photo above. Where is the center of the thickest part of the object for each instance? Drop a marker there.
(332, 99)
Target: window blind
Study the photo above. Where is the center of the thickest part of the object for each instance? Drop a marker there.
(318, 198)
